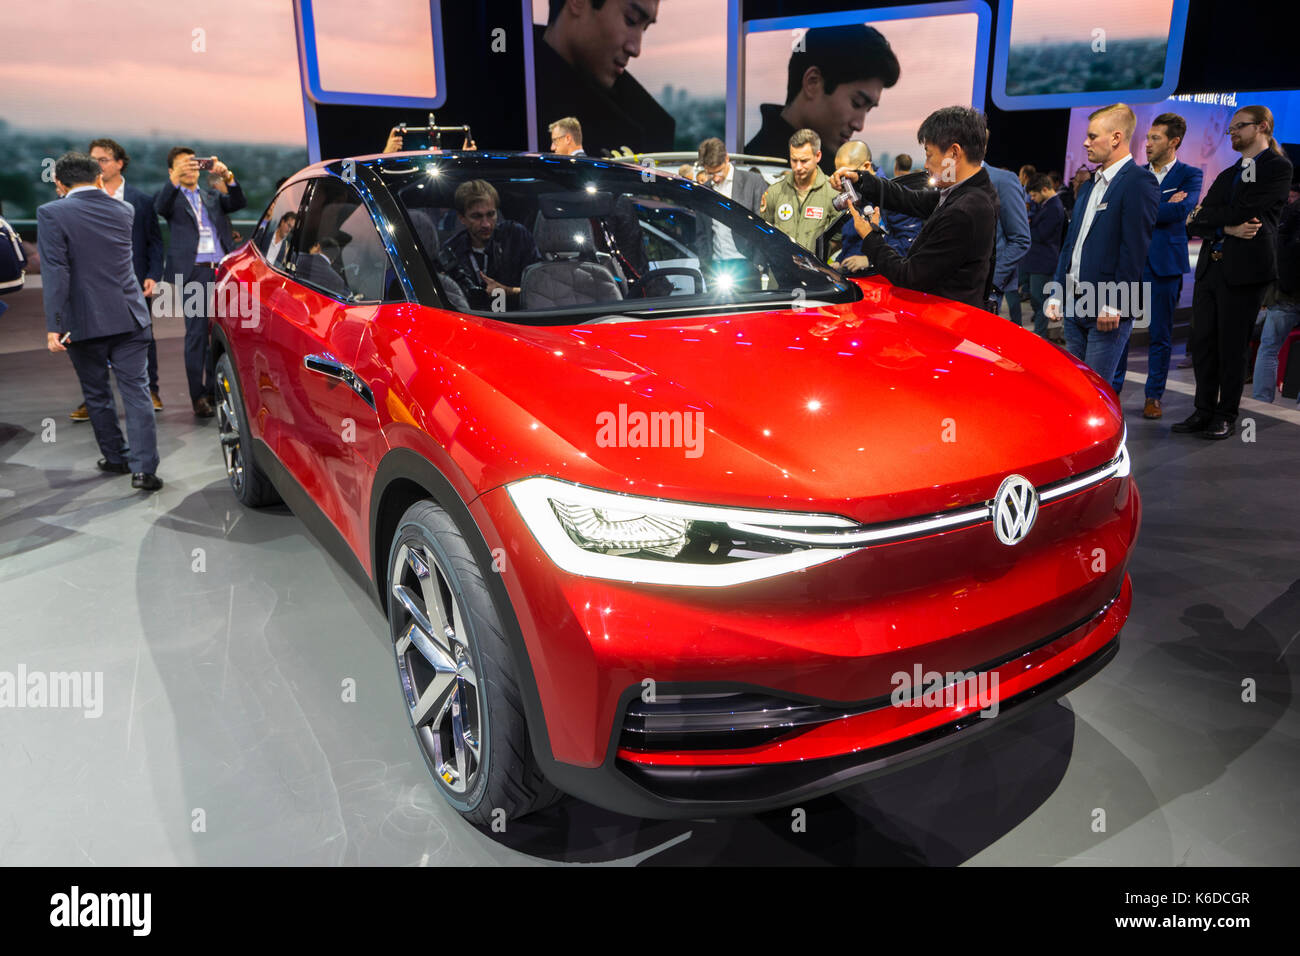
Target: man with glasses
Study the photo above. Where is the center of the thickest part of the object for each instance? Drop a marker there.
(566, 137)
(146, 244)
(1238, 260)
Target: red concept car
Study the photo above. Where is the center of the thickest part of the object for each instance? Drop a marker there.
(662, 511)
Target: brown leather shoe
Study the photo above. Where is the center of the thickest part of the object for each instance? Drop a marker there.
(79, 414)
(203, 408)
(1152, 409)
(157, 402)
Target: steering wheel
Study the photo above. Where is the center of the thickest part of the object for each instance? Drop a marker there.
(695, 275)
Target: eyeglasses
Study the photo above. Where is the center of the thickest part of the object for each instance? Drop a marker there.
(1236, 126)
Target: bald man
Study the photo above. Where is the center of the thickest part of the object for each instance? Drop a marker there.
(854, 154)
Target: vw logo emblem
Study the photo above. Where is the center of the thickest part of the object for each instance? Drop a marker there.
(1014, 509)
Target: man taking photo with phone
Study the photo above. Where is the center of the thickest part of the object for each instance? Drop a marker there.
(200, 236)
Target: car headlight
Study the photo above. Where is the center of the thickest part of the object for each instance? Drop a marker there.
(1125, 465)
(650, 541)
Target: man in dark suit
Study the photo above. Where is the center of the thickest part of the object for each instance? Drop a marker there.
(1167, 261)
(95, 311)
(200, 235)
(1098, 288)
(953, 254)
(739, 185)
(580, 63)
(1238, 259)
(146, 241)
(1046, 230)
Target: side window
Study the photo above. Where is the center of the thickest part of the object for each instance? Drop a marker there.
(275, 231)
(338, 251)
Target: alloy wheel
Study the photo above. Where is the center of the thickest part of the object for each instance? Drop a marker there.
(228, 431)
(436, 667)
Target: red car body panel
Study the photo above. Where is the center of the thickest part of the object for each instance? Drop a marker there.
(897, 406)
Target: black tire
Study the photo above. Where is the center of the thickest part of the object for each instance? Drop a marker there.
(247, 481)
(503, 775)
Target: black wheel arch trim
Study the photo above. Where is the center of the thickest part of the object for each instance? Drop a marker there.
(403, 464)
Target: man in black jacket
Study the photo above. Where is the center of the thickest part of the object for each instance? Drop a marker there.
(580, 68)
(952, 255)
(491, 252)
(1238, 222)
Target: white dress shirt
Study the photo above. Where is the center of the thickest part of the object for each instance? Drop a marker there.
(1160, 173)
(724, 247)
(1100, 180)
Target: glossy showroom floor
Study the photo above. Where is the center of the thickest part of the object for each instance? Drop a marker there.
(224, 738)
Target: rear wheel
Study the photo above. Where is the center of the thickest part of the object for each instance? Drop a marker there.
(247, 481)
(457, 673)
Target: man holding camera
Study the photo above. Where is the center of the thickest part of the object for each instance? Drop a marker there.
(200, 237)
(953, 254)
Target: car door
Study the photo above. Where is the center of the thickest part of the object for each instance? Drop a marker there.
(258, 364)
(339, 274)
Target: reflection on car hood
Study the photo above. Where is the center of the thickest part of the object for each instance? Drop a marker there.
(898, 404)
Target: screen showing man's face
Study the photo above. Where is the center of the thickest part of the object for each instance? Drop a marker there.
(479, 219)
(839, 115)
(606, 39)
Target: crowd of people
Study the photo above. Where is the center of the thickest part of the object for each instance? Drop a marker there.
(1092, 257)
(103, 262)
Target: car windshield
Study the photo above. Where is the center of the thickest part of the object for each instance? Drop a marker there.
(556, 240)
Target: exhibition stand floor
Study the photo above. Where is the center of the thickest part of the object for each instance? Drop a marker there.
(250, 712)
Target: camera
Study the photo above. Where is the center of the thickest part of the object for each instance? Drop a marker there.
(847, 195)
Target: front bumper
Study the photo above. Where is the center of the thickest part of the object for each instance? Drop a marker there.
(1041, 617)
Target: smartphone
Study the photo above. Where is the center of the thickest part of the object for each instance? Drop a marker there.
(206, 162)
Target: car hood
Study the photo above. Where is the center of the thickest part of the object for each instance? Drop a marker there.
(898, 404)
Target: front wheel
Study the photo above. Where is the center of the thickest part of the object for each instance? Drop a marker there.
(250, 485)
(456, 672)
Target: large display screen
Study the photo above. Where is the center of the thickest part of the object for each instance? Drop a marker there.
(668, 90)
(941, 49)
(1051, 54)
(390, 56)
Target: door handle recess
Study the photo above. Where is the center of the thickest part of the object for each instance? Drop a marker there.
(331, 367)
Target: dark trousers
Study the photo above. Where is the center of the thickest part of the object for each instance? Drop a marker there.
(1037, 281)
(1223, 317)
(128, 353)
(153, 362)
(1165, 291)
(198, 357)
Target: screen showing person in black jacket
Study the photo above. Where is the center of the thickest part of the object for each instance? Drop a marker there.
(952, 255)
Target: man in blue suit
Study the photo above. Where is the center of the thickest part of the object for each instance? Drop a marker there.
(95, 311)
(1097, 288)
(1167, 261)
(200, 237)
(1013, 238)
